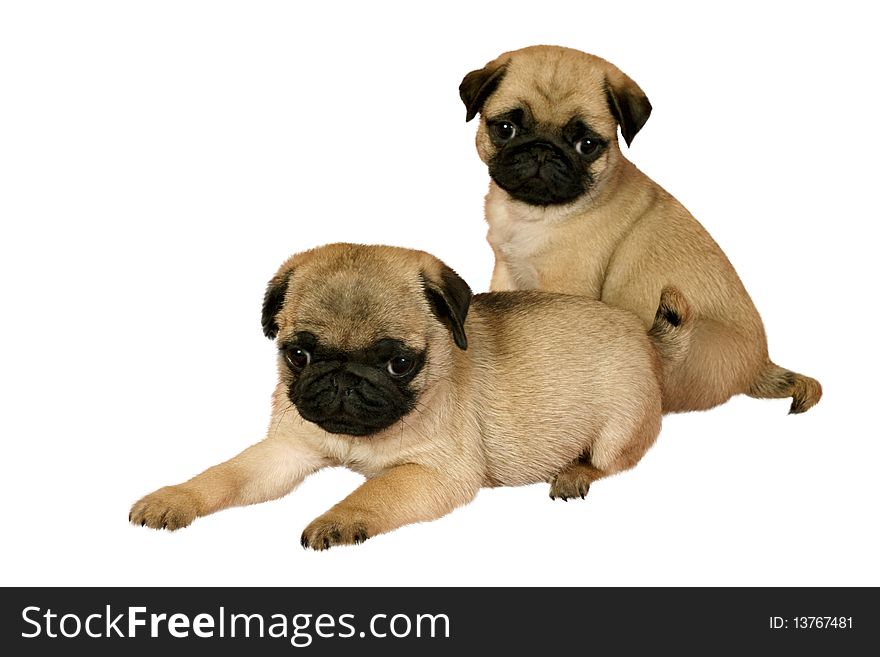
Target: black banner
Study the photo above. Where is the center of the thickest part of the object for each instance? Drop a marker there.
(332, 621)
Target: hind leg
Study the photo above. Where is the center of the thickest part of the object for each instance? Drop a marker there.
(617, 448)
(574, 480)
(721, 362)
(774, 382)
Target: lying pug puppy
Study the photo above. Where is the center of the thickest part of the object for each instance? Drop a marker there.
(567, 212)
(389, 367)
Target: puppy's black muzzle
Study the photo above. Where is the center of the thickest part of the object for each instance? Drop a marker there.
(538, 172)
(349, 398)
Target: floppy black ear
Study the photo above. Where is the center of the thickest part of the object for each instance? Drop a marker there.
(450, 299)
(478, 85)
(273, 300)
(628, 104)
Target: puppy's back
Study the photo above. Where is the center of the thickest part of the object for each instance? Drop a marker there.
(562, 370)
(588, 332)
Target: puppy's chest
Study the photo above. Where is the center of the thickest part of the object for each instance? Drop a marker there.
(520, 246)
(368, 456)
(547, 254)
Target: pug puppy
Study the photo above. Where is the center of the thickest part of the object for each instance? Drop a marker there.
(388, 366)
(567, 212)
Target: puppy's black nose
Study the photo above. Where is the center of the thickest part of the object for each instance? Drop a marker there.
(543, 151)
(346, 382)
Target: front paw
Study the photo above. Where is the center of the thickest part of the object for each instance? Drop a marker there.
(332, 529)
(169, 508)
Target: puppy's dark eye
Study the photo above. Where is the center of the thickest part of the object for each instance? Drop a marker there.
(503, 130)
(298, 358)
(400, 366)
(588, 147)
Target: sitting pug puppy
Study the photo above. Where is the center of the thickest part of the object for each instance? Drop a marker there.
(389, 367)
(567, 212)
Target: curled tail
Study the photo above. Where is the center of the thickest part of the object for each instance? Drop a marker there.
(775, 382)
(672, 327)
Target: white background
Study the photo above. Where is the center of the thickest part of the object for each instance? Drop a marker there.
(159, 160)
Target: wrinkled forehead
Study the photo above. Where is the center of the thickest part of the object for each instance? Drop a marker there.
(353, 307)
(553, 92)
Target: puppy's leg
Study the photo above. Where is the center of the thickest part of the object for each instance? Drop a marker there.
(402, 495)
(720, 362)
(672, 328)
(774, 382)
(265, 471)
(575, 479)
(502, 279)
(620, 445)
